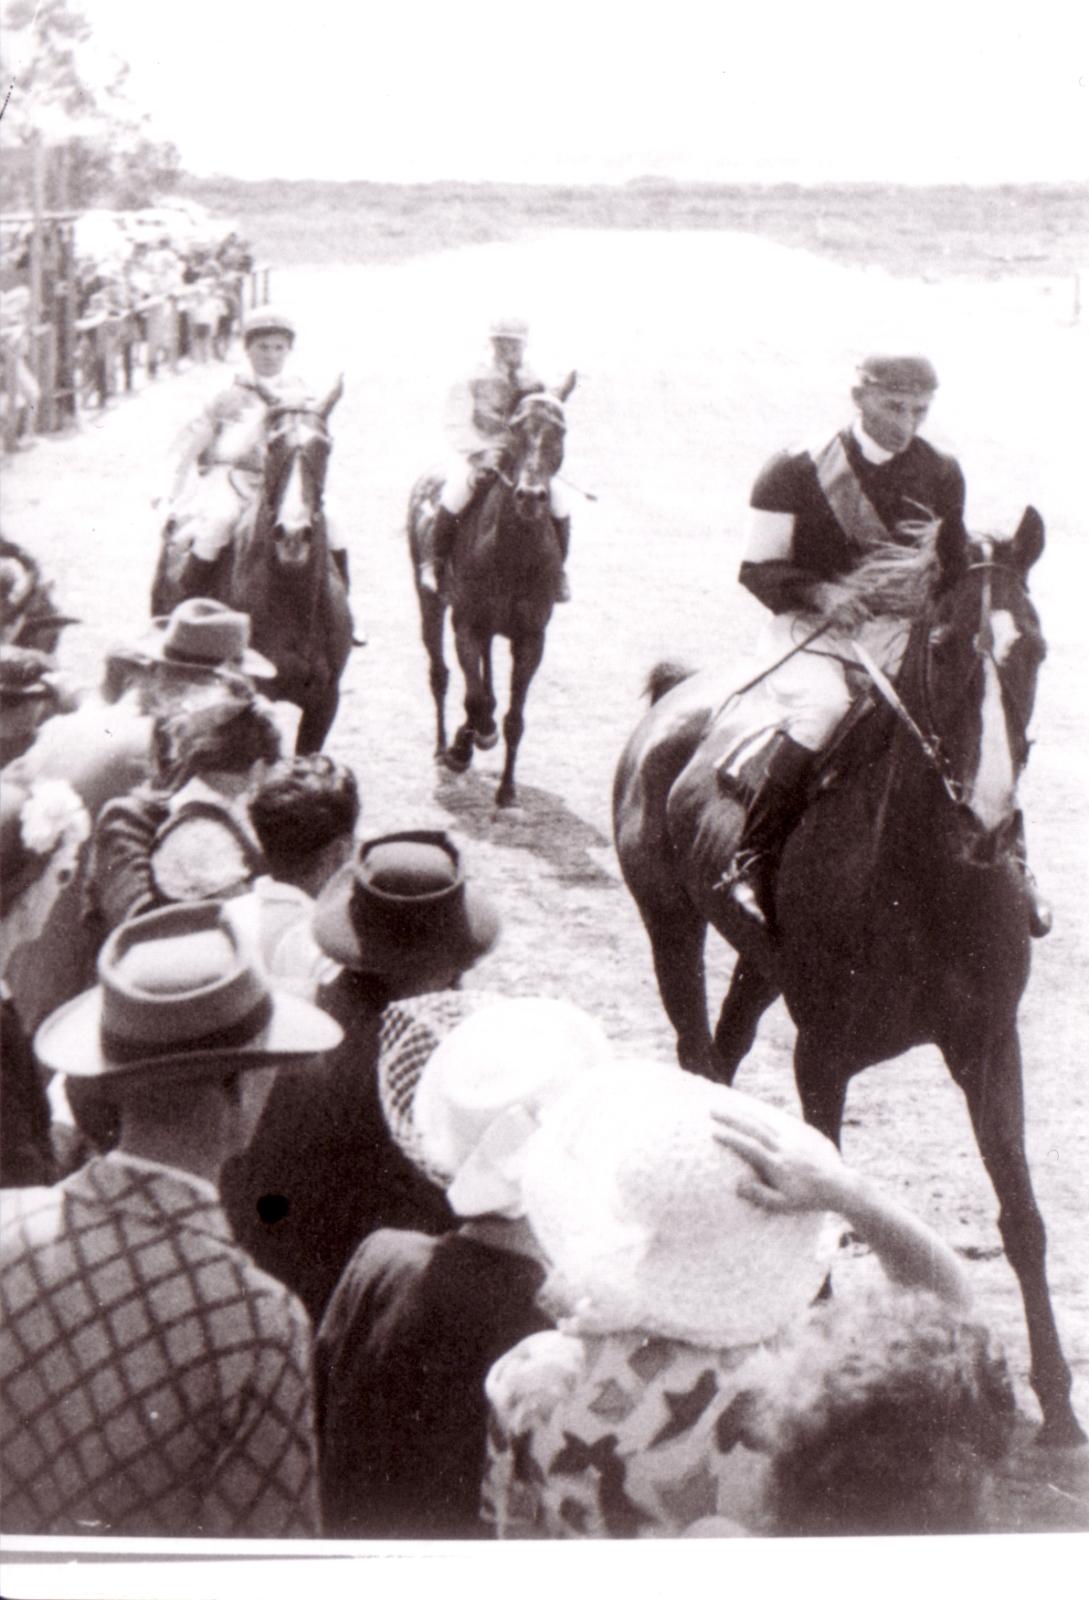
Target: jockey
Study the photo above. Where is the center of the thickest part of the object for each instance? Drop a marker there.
(871, 496)
(478, 413)
(220, 464)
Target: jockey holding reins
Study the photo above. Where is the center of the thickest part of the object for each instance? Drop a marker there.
(478, 414)
(220, 456)
(829, 526)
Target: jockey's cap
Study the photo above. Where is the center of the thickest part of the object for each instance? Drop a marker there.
(266, 319)
(899, 374)
(509, 328)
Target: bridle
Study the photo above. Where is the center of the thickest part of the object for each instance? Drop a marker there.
(928, 738)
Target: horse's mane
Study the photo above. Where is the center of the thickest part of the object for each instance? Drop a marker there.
(896, 579)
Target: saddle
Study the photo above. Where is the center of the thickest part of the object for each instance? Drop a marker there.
(742, 741)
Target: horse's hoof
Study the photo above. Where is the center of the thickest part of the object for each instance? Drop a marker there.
(453, 762)
(507, 800)
(1061, 1433)
(486, 741)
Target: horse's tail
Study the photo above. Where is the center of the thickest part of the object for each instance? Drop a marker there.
(664, 676)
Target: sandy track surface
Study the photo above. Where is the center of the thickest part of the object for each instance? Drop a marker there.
(699, 354)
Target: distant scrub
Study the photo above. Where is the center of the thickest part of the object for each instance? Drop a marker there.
(913, 230)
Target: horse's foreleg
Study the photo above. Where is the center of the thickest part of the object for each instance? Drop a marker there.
(526, 656)
(471, 661)
(993, 1089)
(750, 994)
(485, 732)
(432, 620)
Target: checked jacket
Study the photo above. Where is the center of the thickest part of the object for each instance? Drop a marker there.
(153, 1380)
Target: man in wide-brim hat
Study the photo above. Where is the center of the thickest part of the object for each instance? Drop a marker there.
(405, 923)
(155, 1381)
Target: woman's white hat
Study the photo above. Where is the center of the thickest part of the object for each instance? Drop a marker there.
(473, 1101)
(636, 1206)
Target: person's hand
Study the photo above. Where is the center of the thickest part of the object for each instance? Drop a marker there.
(840, 605)
(795, 1169)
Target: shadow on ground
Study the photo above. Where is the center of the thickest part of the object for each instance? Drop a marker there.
(541, 823)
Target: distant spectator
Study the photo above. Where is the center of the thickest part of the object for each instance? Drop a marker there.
(183, 1405)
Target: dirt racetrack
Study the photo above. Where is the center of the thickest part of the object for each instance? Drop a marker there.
(698, 355)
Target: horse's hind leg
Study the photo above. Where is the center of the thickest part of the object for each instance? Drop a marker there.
(991, 1080)
(750, 994)
(678, 937)
(485, 732)
(432, 619)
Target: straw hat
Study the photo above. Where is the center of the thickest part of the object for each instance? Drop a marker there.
(636, 1206)
(179, 991)
(403, 907)
(464, 1110)
(208, 634)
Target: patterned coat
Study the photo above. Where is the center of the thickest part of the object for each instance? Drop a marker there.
(154, 1381)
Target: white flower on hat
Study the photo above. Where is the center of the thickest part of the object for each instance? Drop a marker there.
(53, 813)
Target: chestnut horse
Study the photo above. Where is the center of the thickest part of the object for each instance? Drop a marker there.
(278, 569)
(502, 581)
(900, 918)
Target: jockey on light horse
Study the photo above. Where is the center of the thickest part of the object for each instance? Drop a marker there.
(220, 456)
(840, 552)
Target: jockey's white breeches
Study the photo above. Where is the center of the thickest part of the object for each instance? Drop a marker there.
(214, 504)
(811, 690)
(462, 476)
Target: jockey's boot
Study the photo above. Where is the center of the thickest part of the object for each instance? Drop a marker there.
(340, 562)
(1039, 911)
(776, 808)
(562, 526)
(443, 533)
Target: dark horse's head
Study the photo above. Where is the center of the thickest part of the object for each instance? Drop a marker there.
(297, 445)
(972, 666)
(538, 427)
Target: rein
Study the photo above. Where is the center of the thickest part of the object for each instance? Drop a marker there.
(930, 742)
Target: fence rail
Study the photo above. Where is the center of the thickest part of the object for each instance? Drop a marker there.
(81, 364)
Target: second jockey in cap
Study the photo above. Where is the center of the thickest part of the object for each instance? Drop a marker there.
(478, 414)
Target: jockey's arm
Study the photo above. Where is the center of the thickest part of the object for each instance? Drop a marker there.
(768, 569)
(197, 438)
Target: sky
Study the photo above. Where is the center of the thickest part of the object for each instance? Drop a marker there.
(608, 90)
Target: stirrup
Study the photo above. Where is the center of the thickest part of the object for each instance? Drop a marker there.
(737, 882)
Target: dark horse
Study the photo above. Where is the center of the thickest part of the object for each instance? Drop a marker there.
(502, 581)
(900, 918)
(278, 569)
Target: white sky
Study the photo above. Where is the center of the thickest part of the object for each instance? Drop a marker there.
(588, 90)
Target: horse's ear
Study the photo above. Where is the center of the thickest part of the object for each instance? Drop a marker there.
(562, 390)
(335, 393)
(951, 549)
(1028, 541)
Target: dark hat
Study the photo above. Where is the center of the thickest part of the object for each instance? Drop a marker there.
(204, 633)
(899, 374)
(179, 991)
(403, 906)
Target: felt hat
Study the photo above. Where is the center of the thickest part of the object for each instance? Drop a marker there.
(898, 374)
(266, 319)
(179, 990)
(635, 1204)
(205, 634)
(464, 1111)
(402, 906)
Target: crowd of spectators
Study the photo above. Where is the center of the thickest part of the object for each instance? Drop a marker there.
(130, 289)
(306, 1230)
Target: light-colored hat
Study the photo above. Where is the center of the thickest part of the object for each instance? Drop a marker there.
(266, 319)
(509, 328)
(898, 374)
(464, 1111)
(208, 634)
(403, 907)
(179, 991)
(636, 1206)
